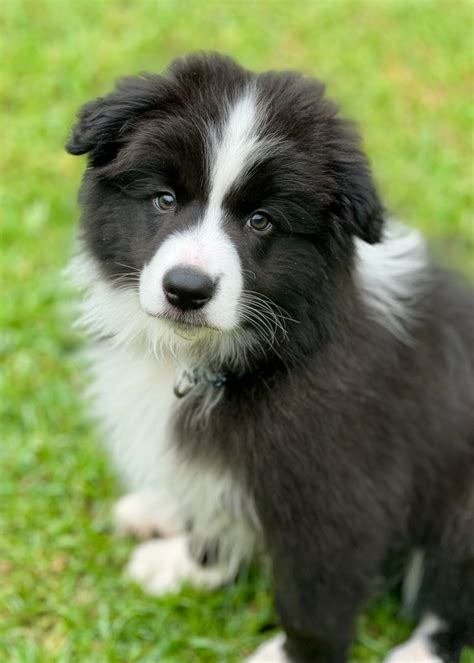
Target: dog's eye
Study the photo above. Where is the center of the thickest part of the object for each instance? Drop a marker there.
(164, 202)
(259, 222)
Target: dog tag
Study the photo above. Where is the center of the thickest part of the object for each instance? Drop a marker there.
(185, 381)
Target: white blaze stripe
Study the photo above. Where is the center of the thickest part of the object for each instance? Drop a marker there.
(206, 245)
(239, 143)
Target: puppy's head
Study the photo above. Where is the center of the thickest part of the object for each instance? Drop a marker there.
(224, 202)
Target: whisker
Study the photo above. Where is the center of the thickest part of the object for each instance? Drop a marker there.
(252, 273)
(264, 300)
(126, 278)
(266, 316)
(120, 274)
(269, 314)
(263, 324)
(122, 264)
(259, 323)
(125, 288)
(261, 296)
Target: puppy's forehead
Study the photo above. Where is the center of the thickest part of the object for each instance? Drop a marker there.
(211, 150)
(215, 123)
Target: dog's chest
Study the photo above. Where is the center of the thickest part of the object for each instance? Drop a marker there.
(134, 398)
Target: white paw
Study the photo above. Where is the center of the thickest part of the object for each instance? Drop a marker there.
(147, 514)
(162, 566)
(415, 651)
(418, 649)
(270, 652)
(412, 652)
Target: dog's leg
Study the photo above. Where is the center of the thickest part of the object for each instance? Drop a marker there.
(317, 601)
(146, 514)
(324, 558)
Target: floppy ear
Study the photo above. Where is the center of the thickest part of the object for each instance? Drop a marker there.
(358, 205)
(103, 122)
(361, 208)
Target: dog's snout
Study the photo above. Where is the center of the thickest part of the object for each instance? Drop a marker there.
(187, 288)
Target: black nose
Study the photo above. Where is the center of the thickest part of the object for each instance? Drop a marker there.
(187, 288)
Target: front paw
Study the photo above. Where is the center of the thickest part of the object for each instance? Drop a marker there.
(270, 652)
(163, 566)
(146, 514)
(412, 653)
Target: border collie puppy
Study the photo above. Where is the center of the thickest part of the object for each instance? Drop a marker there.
(278, 368)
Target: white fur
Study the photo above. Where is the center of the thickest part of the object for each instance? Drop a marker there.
(206, 245)
(147, 513)
(164, 565)
(134, 399)
(412, 580)
(117, 314)
(270, 652)
(391, 276)
(132, 396)
(418, 648)
(221, 512)
(235, 148)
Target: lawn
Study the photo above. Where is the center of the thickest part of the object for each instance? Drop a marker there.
(402, 69)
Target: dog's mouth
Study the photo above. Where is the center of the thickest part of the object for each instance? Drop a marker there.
(188, 325)
(190, 330)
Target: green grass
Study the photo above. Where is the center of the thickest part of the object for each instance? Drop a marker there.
(403, 69)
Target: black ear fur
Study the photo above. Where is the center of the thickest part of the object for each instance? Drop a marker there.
(358, 206)
(102, 122)
(362, 208)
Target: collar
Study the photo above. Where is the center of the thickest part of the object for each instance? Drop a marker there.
(189, 378)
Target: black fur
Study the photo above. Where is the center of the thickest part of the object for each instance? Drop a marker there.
(354, 445)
